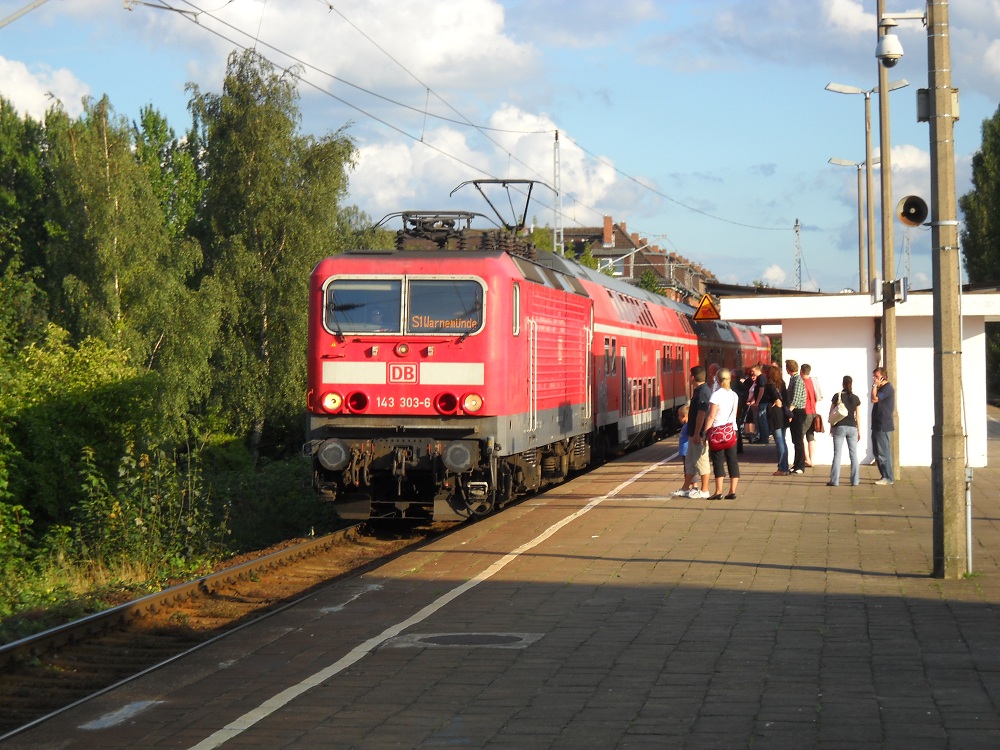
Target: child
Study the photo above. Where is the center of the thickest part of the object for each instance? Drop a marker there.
(682, 445)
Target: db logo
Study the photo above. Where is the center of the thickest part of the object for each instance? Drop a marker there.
(402, 373)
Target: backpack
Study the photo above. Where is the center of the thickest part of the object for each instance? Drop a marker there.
(837, 410)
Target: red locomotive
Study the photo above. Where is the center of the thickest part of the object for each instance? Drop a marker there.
(464, 368)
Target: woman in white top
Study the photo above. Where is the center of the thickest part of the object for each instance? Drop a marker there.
(722, 411)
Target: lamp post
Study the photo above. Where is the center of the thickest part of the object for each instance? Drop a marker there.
(888, 258)
(862, 283)
(951, 522)
(840, 88)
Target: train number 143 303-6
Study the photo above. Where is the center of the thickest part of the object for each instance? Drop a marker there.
(405, 402)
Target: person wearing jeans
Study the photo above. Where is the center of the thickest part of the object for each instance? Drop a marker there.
(846, 431)
(774, 397)
(883, 398)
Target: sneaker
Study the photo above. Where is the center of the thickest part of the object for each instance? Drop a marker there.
(883, 480)
(796, 471)
(698, 495)
(680, 493)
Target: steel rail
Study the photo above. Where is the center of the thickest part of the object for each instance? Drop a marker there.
(120, 616)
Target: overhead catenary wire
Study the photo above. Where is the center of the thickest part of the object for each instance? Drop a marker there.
(426, 113)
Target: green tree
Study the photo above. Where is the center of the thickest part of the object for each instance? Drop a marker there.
(270, 213)
(116, 271)
(650, 282)
(587, 258)
(542, 237)
(22, 187)
(981, 234)
(172, 170)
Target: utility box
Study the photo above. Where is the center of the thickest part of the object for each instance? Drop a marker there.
(924, 105)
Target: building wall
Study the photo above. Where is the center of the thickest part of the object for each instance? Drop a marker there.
(836, 347)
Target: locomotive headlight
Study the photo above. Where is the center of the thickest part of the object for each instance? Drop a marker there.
(472, 402)
(333, 454)
(332, 402)
(402, 349)
(459, 455)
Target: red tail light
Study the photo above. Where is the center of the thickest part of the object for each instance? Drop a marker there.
(446, 403)
(357, 401)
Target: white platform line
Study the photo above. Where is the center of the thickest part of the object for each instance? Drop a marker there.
(289, 694)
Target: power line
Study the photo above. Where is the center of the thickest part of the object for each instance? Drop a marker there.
(463, 122)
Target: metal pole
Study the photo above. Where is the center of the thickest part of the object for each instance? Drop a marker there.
(868, 193)
(861, 240)
(888, 259)
(950, 523)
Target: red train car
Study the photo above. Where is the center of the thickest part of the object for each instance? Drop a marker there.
(463, 368)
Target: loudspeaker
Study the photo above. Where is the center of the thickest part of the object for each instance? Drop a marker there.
(911, 210)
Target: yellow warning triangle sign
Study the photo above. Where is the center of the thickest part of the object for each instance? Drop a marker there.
(707, 310)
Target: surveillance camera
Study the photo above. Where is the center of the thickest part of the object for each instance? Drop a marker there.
(889, 50)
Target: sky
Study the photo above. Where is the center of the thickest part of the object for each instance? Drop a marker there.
(704, 125)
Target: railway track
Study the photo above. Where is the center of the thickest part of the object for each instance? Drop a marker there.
(46, 673)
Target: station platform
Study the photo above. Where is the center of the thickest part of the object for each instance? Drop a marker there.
(608, 614)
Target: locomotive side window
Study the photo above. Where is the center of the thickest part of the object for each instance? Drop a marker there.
(517, 309)
(444, 306)
(363, 305)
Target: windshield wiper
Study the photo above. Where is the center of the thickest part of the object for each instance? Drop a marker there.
(332, 308)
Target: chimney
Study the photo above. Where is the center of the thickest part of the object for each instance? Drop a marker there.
(609, 232)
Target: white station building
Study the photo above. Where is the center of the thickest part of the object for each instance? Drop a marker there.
(836, 335)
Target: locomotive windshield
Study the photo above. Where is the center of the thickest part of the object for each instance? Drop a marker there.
(444, 306)
(364, 305)
(440, 306)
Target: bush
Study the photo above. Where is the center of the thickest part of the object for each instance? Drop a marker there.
(159, 515)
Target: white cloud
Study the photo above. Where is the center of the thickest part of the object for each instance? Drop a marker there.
(848, 16)
(34, 90)
(774, 275)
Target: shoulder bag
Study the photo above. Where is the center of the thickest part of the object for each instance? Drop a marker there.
(837, 411)
(722, 436)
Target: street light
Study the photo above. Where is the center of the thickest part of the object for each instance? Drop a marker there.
(862, 279)
(950, 478)
(840, 88)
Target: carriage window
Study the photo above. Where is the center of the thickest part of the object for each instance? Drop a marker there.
(363, 305)
(444, 306)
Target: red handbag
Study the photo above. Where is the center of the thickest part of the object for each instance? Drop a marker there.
(721, 436)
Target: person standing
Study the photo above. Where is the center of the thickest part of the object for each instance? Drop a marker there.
(883, 398)
(696, 460)
(797, 403)
(814, 394)
(759, 407)
(846, 431)
(722, 410)
(774, 400)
